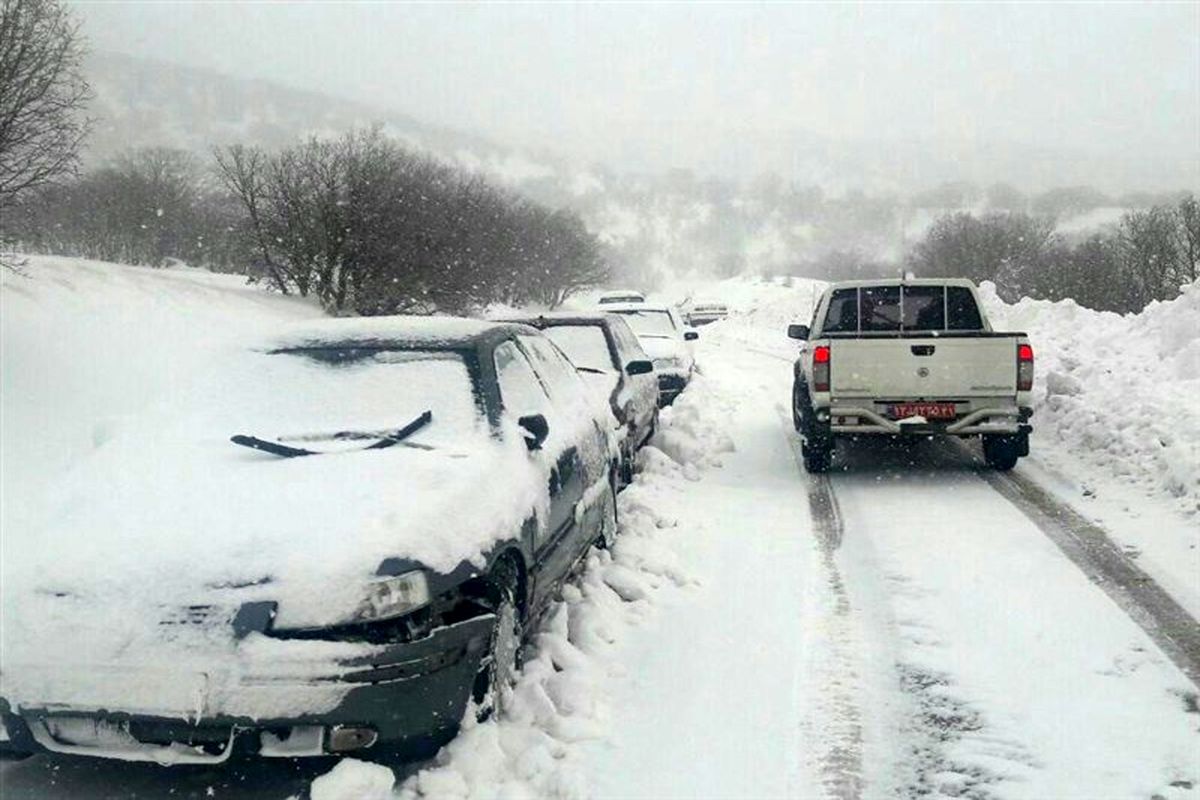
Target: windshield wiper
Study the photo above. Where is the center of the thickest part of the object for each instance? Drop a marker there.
(592, 370)
(382, 439)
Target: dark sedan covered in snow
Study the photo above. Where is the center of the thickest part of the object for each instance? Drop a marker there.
(608, 354)
(330, 544)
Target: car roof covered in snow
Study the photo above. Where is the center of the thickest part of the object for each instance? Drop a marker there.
(435, 332)
(552, 318)
(902, 281)
(618, 308)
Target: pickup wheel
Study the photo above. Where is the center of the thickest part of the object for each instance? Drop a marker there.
(816, 445)
(817, 458)
(1001, 452)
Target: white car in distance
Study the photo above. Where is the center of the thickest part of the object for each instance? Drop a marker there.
(666, 338)
(616, 296)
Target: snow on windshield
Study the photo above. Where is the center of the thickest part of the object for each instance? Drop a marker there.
(360, 391)
(585, 345)
(650, 323)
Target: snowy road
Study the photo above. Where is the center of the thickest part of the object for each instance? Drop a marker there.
(928, 638)
(899, 628)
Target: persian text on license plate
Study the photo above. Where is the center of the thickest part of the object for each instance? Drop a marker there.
(926, 410)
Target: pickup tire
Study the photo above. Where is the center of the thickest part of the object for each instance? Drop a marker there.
(1001, 452)
(816, 444)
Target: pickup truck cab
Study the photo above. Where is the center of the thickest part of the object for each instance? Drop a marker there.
(910, 358)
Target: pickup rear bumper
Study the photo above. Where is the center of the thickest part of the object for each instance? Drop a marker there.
(861, 419)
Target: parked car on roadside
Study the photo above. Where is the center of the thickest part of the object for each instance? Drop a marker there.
(331, 545)
(667, 340)
(704, 313)
(910, 358)
(621, 296)
(611, 360)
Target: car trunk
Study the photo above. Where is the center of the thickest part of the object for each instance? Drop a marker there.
(924, 368)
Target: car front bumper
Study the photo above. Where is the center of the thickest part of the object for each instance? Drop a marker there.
(407, 697)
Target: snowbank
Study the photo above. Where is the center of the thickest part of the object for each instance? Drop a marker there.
(562, 695)
(1118, 393)
(87, 344)
(354, 780)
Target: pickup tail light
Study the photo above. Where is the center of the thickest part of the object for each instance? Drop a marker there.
(1024, 368)
(821, 368)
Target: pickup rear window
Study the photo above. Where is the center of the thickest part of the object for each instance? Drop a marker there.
(881, 309)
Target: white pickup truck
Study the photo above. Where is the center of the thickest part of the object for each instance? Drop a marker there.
(910, 358)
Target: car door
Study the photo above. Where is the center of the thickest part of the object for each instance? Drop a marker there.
(523, 393)
(642, 389)
(583, 462)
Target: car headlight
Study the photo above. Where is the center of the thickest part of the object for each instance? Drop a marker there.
(392, 596)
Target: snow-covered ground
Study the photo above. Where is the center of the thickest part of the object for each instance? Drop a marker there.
(734, 643)
(86, 346)
(1116, 422)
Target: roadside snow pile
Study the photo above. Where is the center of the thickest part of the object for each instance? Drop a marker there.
(1118, 392)
(87, 345)
(354, 780)
(561, 696)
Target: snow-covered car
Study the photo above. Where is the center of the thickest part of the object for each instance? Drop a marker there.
(704, 313)
(908, 358)
(329, 545)
(611, 360)
(667, 340)
(621, 296)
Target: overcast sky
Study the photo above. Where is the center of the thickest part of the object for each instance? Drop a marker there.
(600, 80)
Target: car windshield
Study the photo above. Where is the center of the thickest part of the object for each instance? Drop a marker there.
(336, 398)
(585, 345)
(621, 298)
(653, 323)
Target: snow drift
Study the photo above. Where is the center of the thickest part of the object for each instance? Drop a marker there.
(1116, 392)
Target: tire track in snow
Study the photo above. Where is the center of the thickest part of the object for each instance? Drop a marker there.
(840, 761)
(1089, 547)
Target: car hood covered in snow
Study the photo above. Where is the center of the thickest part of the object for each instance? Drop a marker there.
(169, 517)
(658, 348)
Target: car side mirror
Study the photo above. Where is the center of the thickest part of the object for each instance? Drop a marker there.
(535, 429)
(690, 336)
(639, 367)
(797, 331)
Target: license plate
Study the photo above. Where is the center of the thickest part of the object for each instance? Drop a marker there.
(926, 410)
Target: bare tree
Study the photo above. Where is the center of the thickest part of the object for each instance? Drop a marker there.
(42, 95)
(242, 171)
(1148, 246)
(1188, 215)
(1009, 249)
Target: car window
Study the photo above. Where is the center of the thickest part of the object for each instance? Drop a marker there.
(924, 308)
(879, 308)
(654, 323)
(520, 390)
(628, 346)
(961, 310)
(585, 345)
(842, 316)
(358, 392)
(558, 374)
